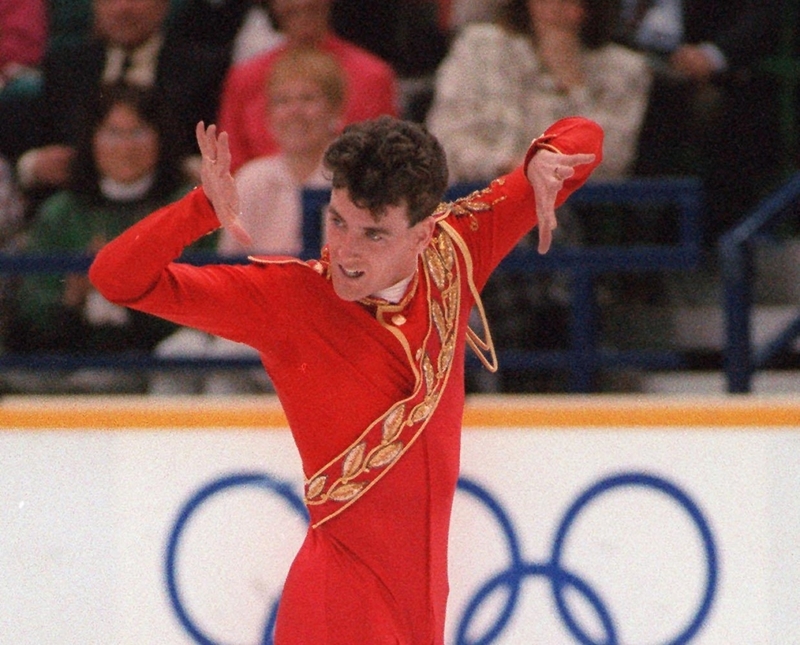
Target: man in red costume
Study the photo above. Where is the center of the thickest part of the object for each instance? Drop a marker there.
(365, 347)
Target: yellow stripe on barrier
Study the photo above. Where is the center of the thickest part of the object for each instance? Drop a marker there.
(633, 411)
(541, 412)
(135, 412)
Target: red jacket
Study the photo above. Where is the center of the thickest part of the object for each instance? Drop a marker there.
(23, 32)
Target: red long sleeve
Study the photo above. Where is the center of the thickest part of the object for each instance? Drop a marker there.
(129, 266)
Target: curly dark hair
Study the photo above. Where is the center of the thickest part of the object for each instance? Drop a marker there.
(389, 162)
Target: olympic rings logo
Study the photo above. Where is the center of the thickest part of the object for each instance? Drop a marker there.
(561, 579)
(510, 579)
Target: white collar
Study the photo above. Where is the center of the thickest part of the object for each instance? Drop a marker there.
(143, 62)
(395, 293)
(119, 192)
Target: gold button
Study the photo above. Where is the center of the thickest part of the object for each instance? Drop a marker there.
(398, 319)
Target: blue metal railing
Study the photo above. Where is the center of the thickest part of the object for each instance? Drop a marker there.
(742, 358)
(582, 359)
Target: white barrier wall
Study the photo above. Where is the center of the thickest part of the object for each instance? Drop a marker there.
(578, 520)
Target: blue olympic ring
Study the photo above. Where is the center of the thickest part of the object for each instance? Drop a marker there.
(560, 578)
(511, 578)
(260, 480)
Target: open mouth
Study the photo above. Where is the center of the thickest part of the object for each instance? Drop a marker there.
(350, 274)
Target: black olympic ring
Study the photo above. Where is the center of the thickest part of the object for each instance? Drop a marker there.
(511, 578)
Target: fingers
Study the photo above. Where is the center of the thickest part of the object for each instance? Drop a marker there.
(545, 239)
(214, 148)
(564, 165)
(577, 159)
(547, 173)
(208, 142)
(546, 224)
(218, 183)
(240, 234)
(223, 151)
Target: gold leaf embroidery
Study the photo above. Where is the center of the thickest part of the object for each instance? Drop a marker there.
(428, 372)
(446, 252)
(450, 299)
(393, 424)
(421, 411)
(385, 455)
(441, 211)
(438, 319)
(475, 203)
(465, 208)
(353, 460)
(346, 492)
(316, 486)
(441, 262)
(446, 355)
(436, 267)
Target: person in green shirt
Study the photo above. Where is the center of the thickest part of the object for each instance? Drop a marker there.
(125, 168)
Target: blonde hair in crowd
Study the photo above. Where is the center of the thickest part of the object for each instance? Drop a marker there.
(317, 66)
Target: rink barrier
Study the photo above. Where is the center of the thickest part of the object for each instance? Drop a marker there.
(264, 412)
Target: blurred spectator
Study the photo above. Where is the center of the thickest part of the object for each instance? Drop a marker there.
(306, 94)
(454, 14)
(371, 82)
(23, 36)
(125, 168)
(712, 111)
(244, 28)
(128, 44)
(540, 61)
(406, 34)
(12, 209)
(69, 21)
(305, 97)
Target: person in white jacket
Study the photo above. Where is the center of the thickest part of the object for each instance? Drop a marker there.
(539, 61)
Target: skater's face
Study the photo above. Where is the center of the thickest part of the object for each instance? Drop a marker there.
(369, 254)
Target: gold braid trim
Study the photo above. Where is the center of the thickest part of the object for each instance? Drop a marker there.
(480, 346)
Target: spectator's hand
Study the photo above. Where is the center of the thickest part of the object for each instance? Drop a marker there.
(218, 184)
(693, 62)
(51, 165)
(547, 172)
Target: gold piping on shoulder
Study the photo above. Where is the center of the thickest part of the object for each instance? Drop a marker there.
(483, 348)
(471, 205)
(276, 259)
